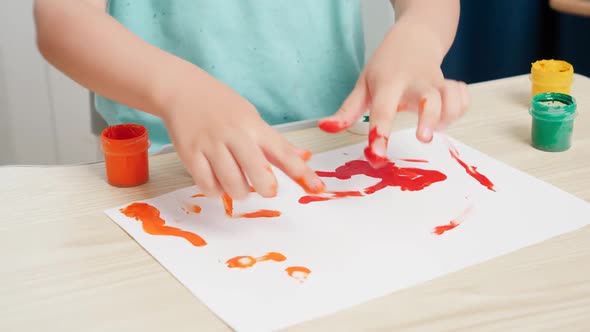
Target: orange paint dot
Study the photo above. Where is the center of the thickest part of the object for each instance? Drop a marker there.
(153, 224)
(197, 209)
(299, 273)
(306, 155)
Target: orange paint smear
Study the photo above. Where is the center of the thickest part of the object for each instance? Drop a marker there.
(261, 214)
(303, 183)
(228, 204)
(244, 262)
(149, 216)
(374, 159)
(198, 195)
(299, 273)
(422, 104)
(472, 171)
(334, 195)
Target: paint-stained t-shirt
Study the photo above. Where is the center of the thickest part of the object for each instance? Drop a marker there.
(293, 60)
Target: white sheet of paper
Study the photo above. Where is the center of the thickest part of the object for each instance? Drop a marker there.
(357, 248)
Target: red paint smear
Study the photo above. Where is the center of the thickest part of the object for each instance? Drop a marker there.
(298, 272)
(439, 230)
(244, 262)
(472, 171)
(149, 216)
(334, 195)
(415, 160)
(374, 159)
(332, 126)
(407, 179)
(261, 214)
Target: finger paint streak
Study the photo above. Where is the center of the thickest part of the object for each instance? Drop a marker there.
(299, 273)
(332, 126)
(198, 195)
(149, 216)
(472, 171)
(439, 230)
(407, 179)
(376, 161)
(333, 195)
(244, 262)
(414, 160)
(261, 214)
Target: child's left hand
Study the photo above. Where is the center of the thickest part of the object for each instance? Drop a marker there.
(404, 74)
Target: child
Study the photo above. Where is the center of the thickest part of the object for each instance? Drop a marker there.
(214, 75)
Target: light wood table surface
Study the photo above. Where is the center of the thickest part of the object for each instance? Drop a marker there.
(65, 266)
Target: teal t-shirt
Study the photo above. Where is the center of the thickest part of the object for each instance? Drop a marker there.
(293, 60)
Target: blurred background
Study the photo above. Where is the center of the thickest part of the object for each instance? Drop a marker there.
(45, 118)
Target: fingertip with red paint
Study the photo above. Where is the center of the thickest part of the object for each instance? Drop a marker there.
(331, 125)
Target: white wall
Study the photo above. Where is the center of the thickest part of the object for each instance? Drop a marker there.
(45, 118)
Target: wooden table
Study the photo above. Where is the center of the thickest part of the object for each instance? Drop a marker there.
(65, 266)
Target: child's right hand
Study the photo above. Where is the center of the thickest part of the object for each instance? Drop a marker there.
(225, 144)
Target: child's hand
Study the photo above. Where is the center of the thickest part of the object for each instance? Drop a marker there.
(224, 143)
(403, 75)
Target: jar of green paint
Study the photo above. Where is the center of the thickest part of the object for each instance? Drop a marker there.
(553, 117)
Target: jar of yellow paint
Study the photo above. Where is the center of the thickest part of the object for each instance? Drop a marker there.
(551, 76)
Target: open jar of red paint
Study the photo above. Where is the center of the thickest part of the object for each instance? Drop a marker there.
(125, 148)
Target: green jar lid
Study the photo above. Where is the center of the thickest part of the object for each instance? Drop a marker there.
(553, 106)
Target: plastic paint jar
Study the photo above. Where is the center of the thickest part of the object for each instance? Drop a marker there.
(551, 76)
(125, 149)
(553, 117)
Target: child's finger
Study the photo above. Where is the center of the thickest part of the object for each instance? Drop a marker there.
(429, 113)
(452, 107)
(353, 107)
(284, 156)
(203, 176)
(465, 97)
(383, 110)
(228, 172)
(255, 166)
